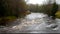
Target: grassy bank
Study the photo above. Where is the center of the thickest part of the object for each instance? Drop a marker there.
(5, 20)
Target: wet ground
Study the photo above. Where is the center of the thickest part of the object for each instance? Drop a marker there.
(33, 23)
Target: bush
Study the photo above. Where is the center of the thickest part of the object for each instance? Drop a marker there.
(5, 20)
(57, 14)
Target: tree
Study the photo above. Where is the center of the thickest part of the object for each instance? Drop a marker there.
(21, 8)
(15, 8)
(35, 8)
(51, 8)
(12, 7)
(54, 10)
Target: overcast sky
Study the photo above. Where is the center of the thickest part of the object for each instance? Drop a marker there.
(39, 1)
(58, 1)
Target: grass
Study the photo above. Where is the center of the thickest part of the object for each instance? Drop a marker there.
(5, 20)
(11, 17)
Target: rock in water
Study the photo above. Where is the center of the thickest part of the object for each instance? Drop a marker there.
(54, 26)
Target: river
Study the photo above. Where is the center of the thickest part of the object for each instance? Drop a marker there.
(32, 23)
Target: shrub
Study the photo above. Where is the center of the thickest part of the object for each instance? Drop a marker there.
(57, 14)
(5, 20)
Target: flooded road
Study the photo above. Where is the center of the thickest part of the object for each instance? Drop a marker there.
(32, 23)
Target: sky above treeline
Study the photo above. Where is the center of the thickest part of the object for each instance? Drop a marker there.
(39, 1)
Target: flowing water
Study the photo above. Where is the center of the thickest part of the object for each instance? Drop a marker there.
(32, 23)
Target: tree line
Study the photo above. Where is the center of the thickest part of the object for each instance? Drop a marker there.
(10, 9)
(50, 8)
